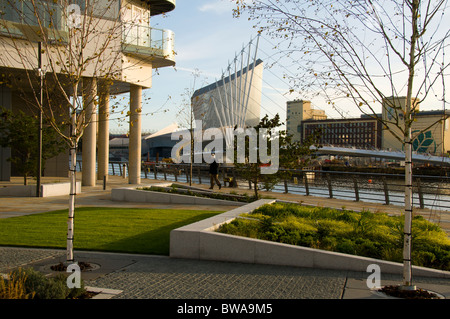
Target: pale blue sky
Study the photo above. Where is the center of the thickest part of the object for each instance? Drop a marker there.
(207, 37)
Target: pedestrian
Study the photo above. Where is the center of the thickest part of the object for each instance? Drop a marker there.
(214, 172)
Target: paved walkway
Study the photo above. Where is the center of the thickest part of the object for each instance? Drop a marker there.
(161, 277)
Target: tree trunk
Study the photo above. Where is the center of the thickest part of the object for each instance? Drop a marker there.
(73, 191)
(407, 275)
(72, 178)
(407, 265)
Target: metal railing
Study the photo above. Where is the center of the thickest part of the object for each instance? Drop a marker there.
(431, 192)
(147, 39)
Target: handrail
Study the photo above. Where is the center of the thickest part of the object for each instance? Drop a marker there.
(160, 41)
(357, 186)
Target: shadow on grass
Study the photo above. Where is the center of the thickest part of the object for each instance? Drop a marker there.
(153, 242)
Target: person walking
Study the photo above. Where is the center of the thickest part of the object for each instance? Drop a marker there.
(214, 173)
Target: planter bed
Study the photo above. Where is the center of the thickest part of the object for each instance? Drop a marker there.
(161, 194)
(201, 240)
(198, 192)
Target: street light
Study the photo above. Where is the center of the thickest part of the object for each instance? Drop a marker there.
(39, 159)
(36, 34)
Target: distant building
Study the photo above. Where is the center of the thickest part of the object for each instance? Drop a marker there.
(297, 112)
(434, 139)
(131, 53)
(234, 100)
(367, 132)
(159, 145)
(364, 132)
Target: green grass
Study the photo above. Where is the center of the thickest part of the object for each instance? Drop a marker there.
(375, 235)
(142, 231)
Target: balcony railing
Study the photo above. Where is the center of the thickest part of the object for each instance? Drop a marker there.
(151, 42)
(137, 39)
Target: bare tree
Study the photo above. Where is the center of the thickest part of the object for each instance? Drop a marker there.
(187, 118)
(366, 53)
(75, 47)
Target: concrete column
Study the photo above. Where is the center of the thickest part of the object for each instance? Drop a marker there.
(89, 176)
(134, 146)
(103, 133)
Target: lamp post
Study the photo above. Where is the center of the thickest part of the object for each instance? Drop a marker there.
(39, 159)
(35, 34)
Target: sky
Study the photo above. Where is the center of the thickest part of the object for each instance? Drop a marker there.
(207, 38)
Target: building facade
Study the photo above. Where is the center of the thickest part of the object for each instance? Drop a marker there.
(232, 101)
(364, 133)
(115, 55)
(430, 129)
(298, 111)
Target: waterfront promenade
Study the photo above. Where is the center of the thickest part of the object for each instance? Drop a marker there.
(162, 277)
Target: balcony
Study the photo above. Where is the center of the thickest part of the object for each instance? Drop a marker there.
(153, 45)
(17, 15)
(160, 6)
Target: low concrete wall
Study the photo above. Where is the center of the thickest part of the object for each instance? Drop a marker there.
(47, 190)
(131, 194)
(200, 241)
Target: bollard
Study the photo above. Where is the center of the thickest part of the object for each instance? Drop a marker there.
(355, 184)
(186, 171)
(386, 191)
(330, 189)
(124, 171)
(419, 190)
(305, 176)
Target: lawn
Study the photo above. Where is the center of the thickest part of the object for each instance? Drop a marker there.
(142, 231)
(375, 235)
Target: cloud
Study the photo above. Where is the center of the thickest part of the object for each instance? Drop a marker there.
(217, 7)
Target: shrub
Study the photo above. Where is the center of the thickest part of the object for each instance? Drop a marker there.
(14, 286)
(28, 283)
(241, 227)
(375, 235)
(346, 246)
(368, 248)
(44, 287)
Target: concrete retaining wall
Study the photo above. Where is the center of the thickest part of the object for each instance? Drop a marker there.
(200, 241)
(47, 190)
(131, 194)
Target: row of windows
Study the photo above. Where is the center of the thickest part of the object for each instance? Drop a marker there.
(358, 134)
